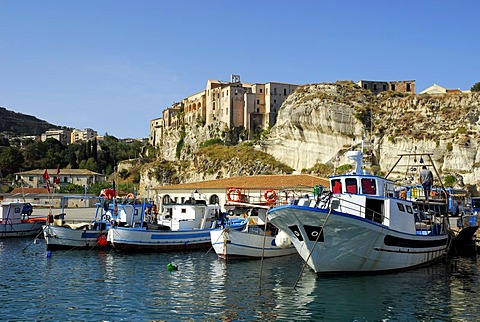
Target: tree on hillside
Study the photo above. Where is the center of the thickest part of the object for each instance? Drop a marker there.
(476, 87)
(11, 160)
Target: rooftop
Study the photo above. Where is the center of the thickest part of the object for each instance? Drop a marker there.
(276, 182)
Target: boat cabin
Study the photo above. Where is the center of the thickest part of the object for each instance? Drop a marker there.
(12, 212)
(194, 214)
(360, 184)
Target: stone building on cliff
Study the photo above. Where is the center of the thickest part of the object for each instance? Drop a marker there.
(231, 104)
(376, 87)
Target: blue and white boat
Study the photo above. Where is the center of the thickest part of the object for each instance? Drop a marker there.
(15, 220)
(360, 226)
(179, 227)
(59, 234)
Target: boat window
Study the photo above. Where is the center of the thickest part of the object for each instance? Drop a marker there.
(400, 206)
(351, 185)
(369, 186)
(409, 209)
(475, 203)
(336, 186)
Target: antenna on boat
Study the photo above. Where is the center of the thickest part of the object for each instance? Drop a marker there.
(357, 157)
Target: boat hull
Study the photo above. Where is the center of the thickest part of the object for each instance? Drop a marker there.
(136, 239)
(24, 229)
(230, 244)
(350, 244)
(60, 237)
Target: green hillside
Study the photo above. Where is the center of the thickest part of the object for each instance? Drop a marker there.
(18, 124)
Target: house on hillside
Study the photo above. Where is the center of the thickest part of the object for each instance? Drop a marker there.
(35, 179)
(437, 89)
(250, 189)
(62, 135)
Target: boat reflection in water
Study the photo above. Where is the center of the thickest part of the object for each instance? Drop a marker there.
(138, 286)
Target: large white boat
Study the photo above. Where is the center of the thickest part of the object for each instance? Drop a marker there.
(258, 239)
(362, 226)
(15, 220)
(86, 235)
(178, 227)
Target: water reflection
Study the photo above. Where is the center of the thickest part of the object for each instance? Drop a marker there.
(104, 285)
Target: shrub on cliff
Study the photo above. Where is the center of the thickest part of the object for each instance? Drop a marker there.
(476, 87)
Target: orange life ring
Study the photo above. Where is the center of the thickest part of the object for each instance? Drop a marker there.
(130, 196)
(234, 194)
(270, 195)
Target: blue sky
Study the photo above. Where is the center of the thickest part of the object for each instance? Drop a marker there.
(113, 65)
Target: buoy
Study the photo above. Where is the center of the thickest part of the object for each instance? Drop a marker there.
(282, 240)
(171, 267)
(49, 254)
(102, 240)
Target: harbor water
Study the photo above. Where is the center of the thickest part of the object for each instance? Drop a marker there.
(108, 286)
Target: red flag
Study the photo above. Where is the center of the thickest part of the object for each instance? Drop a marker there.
(57, 178)
(45, 175)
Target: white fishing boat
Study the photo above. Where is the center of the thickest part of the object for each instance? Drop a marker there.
(178, 227)
(86, 235)
(360, 226)
(16, 220)
(258, 239)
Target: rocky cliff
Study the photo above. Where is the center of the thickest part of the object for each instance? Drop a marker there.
(318, 123)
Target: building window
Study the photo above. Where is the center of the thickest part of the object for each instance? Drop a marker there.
(261, 90)
(409, 87)
(214, 199)
(258, 101)
(384, 87)
(374, 87)
(236, 91)
(285, 92)
(30, 178)
(365, 86)
(258, 110)
(393, 87)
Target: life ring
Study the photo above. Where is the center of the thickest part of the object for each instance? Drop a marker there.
(270, 195)
(130, 196)
(234, 194)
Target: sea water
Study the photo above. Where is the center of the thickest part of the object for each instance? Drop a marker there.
(108, 286)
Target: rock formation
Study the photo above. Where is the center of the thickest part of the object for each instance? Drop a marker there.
(318, 123)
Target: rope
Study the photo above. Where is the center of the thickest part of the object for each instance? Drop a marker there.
(315, 244)
(263, 252)
(223, 230)
(33, 240)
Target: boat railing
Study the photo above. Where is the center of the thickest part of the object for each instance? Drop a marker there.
(352, 207)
